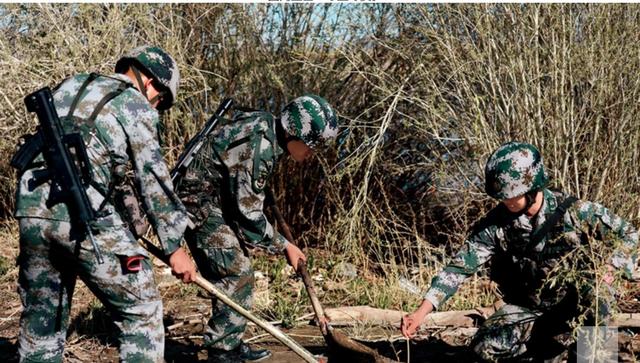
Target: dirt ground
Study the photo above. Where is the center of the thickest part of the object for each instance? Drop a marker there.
(90, 340)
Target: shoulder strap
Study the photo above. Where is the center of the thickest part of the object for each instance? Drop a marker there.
(244, 108)
(108, 97)
(100, 105)
(552, 221)
(91, 121)
(80, 94)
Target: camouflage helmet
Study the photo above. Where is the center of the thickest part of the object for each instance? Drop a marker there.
(311, 119)
(159, 64)
(514, 169)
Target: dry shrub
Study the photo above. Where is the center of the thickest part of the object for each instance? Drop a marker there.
(428, 91)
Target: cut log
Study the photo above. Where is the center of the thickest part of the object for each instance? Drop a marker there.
(359, 315)
(355, 315)
(627, 320)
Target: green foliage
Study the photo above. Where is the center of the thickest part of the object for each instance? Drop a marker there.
(188, 290)
(287, 308)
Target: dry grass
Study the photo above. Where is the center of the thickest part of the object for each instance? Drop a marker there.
(428, 91)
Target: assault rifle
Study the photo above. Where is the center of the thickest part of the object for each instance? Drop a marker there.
(195, 144)
(67, 182)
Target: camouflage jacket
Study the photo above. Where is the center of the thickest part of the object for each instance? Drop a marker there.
(501, 236)
(229, 175)
(124, 131)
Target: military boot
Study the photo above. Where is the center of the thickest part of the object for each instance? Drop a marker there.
(226, 356)
(252, 355)
(242, 353)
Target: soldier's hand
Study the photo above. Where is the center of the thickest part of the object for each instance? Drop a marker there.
(609, 276)
(182, 266)
(410, 322)
(294, 254)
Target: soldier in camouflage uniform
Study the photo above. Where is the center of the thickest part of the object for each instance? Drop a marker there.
(529, 260)
(224, 191)
(54, 251)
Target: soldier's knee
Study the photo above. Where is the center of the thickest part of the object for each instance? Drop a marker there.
(484, 350)
(147, 312)
(37, 349)
(494, 348)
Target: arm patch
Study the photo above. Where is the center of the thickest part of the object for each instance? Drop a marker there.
(263, 163)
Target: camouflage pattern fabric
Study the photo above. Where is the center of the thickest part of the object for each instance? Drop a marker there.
(161, 66)
(540, 334)
(224, 190)
(126, 201)
(311, 119)
(51, 257)
(230, 174)
(505, 334)
(222, 261)
(502, 233)
(126, 123)
(52, 254)
(514, 169)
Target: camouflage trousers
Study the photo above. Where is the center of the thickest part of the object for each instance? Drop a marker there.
(505, 334)
(223, 262)
(515, 331)
(51, 257)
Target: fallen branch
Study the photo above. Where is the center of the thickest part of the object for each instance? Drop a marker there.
(358, 315)
(354, 315)
(627, 320)
(185, 322)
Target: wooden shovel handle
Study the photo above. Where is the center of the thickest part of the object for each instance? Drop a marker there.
(302, 265)
(220, 295)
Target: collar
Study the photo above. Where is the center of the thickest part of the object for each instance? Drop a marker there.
(122, 77)
(549, 205)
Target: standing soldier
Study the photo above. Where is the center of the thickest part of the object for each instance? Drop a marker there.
(117, 118)
(532, 237)
(224, 190)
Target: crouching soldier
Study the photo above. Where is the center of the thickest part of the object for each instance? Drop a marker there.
(117, 121)
(541, 245)
(223, 189)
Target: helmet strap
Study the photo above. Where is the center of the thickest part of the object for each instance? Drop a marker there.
(530, 198)
(141, 86)
(156, 97)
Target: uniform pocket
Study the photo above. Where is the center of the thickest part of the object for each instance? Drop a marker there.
(140, 285)
(227, 262)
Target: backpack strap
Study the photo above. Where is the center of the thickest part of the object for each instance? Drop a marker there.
(80, 94)
(552, 220)
(122, 86)
(91, 121)
(108, 97)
